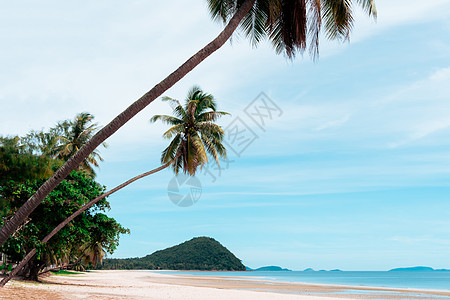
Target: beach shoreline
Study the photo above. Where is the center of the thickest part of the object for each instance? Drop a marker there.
(143, 284)
(263, 279)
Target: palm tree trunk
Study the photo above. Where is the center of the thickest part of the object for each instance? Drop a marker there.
(85, 207)
(35, 267)
(19, 217)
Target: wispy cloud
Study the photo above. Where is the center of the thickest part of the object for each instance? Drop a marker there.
(333, 123)
(426, 104)
(414, 240)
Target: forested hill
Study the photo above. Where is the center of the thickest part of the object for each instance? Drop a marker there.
(201, 253)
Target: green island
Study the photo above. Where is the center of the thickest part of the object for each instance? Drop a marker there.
(201, 253)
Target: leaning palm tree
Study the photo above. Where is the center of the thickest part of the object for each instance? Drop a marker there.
(194, 136)
(288, 24)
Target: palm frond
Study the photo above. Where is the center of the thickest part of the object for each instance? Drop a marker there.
(314, 26)
(169, 153)
(176, 106)
(205, 101)
(200, 149)
(220, 148)
(210, 147)
(369, 7)
(173, 130)
(177, 165)
(290, 28)
(211, 129)
(193, 158)
(338, 18)
(170, 120)
(255, 22)
(211, 116)
(221, 10)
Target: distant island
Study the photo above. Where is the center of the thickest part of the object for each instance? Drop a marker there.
(201, 253)
(268, 268)
(312, 270)
(417, 269)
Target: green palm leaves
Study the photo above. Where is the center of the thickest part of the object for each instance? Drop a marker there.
(72, 135)
(290, 24)
(193, 134)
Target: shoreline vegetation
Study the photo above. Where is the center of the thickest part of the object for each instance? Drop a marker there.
(127, 284)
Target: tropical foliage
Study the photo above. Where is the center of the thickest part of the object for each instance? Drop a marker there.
(194, 133)
(25, 164)
(92, 227)
(19, 162)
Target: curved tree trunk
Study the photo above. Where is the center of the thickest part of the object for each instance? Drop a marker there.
(85, 207)
(19, 217)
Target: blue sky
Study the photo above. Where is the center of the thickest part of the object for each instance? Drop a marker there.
(354, 174)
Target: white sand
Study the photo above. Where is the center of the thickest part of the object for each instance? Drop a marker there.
(129, 285)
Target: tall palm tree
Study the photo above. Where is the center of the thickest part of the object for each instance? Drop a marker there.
(72, 135)
(287, 23)
(193, 132)
(194, 136)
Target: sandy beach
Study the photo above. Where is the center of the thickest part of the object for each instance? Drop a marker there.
(148, 285)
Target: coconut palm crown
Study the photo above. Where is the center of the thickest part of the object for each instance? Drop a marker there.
(73, 135)
(291, 24)
(193, 133)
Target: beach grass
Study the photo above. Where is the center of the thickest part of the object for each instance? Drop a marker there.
(66, 273)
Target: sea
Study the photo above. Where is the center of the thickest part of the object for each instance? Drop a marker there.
(429, 280)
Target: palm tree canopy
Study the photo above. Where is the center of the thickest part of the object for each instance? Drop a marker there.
(193, 134)
(72, 135)
(291, 24)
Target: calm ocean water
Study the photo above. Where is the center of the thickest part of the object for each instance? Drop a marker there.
(436, 280)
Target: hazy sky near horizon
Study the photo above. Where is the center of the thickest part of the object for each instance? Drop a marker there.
(354, 174)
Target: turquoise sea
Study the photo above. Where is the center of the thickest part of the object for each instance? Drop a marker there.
(434, 280)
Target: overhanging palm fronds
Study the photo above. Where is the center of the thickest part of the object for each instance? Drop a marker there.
(289, 24)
